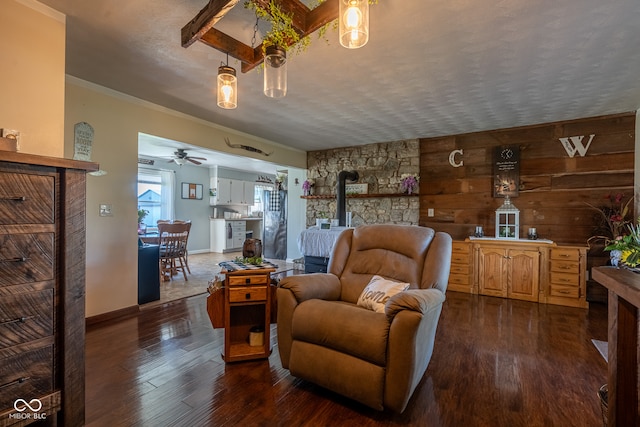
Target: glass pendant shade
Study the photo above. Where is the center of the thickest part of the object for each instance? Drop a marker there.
(275, 72)
(354, 23)
(227, 87)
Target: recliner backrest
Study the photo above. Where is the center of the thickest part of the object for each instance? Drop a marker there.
(391, 251)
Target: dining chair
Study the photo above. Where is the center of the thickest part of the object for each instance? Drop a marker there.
(173, 247)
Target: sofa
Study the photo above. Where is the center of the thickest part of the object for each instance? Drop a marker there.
(330, 334)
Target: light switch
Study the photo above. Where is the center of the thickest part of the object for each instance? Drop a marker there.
(105, 210)
(430, 212)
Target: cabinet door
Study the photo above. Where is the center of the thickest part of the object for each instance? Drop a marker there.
(492, 272)
(249, 193)
(524, 272)
(224, 191)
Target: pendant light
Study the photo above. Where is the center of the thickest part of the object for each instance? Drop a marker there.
(227, 87)
(275, 72)
(354, 23)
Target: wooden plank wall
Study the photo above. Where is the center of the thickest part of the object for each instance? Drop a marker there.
(554, 187)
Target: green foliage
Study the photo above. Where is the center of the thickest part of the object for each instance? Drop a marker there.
(250, 260)
(142, 213)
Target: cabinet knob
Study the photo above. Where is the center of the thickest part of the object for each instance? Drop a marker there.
(247, 295)
(247, 281)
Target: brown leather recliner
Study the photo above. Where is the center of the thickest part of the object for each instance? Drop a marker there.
(377, 359)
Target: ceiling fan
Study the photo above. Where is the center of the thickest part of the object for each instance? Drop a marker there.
(181, 157)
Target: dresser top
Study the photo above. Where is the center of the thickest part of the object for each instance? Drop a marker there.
(34, 159)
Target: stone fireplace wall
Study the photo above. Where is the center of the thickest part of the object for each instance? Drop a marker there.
(381, 167)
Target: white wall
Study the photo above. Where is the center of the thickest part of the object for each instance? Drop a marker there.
(117, 119)
(297, 212)
(32, 42)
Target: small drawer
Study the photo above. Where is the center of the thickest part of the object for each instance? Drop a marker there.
(460, 258)
(26, 375)
(564, 279)
(25, 317)
(565, 254)
(457, 247)
(459, 269)
(565, 266)
(26, 199)
(459, 279)
(248, 293)
(248, 280)
(564, 291)
(26, 258)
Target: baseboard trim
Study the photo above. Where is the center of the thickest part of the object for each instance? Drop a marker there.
(111, 315)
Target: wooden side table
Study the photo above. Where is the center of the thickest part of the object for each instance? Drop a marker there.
(247, 308)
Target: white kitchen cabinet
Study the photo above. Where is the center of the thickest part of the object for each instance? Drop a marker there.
(226, 235)
(232, 192)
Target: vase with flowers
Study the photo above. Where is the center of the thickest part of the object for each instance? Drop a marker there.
(627, 247)
(614, 225)
(408, 183)
(306, 187)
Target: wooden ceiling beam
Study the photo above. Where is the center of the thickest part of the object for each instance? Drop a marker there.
(205, 20)
(305, 20)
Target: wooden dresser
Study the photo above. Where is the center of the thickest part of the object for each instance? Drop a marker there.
(42, 289)
(530, 270)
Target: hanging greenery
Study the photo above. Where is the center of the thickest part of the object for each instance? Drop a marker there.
(282, 32)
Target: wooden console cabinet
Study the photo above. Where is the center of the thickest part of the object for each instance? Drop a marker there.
(42, 289)
(247, 305)
(531, 270)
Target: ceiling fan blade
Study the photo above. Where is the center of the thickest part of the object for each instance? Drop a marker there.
(195, 162)
(197, 158)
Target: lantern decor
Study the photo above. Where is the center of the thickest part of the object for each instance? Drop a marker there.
(353, 23)
(507, 221)
(227, 87)
(275, 72)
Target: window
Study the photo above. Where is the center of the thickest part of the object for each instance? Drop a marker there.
(258, 202)
(155, 194)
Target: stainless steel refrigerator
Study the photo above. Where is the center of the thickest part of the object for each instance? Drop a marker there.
(274, 245)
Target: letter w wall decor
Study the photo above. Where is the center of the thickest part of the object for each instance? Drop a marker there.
(573, 145)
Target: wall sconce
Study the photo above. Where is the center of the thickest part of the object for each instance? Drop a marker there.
(354, 23)
(227, 87)
(275, 72)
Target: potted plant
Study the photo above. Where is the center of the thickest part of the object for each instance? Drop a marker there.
(142, 227)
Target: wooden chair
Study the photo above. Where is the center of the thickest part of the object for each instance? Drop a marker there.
(173, 248)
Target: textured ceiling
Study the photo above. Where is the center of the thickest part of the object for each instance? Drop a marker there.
(430, 68)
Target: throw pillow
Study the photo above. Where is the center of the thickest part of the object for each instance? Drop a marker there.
(378, 292)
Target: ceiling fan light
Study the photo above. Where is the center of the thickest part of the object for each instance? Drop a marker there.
(275, 72)
(353, 23)
(227, 87)
(180, 161)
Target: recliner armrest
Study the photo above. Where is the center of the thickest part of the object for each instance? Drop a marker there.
(324, 286)
(420, 300)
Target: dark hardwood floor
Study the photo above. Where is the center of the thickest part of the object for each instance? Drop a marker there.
(496, 362)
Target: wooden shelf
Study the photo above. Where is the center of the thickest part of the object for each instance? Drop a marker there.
(361, 196)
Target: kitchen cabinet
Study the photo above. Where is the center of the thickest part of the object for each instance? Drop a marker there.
(42, 289)
(567, 284)
(229, 235)
(232, 192)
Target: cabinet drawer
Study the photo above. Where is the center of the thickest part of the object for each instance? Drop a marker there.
(26, 199)
(459, 269)
(26, 258)
(459, 279)
(248, 293)
(25, 317)
(26, 375)
(260, 279)
(565, 266)
(565, 254)
(565, 279)
(460, 258)
(564, 291)
(458, 247)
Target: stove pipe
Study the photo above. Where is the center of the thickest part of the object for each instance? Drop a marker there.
(341, 207)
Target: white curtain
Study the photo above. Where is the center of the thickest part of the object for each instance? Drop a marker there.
(168, 182)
